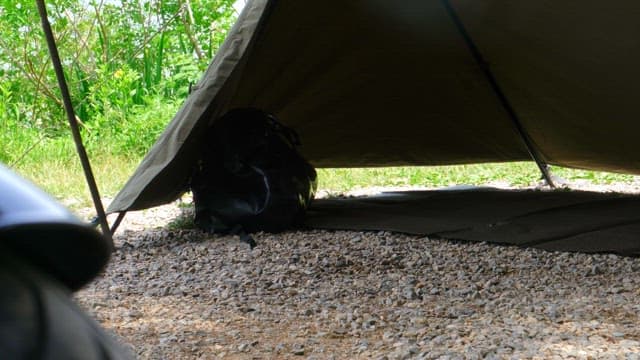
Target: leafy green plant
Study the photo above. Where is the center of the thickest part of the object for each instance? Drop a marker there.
(128, 66)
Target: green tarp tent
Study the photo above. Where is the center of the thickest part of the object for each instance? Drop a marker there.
(419, 82)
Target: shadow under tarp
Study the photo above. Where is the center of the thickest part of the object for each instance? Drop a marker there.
(552, 220)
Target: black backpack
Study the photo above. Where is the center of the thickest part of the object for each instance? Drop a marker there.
(250, 176)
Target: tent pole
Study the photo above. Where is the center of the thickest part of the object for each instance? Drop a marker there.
(524, 136)
(73, 124)
(116, 223)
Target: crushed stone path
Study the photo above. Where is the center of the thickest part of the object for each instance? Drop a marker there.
(181, 294)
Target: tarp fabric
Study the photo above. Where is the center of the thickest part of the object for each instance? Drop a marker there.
(551, 220)
(381, 83)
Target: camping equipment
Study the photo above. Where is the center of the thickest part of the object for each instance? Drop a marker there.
(250, 176)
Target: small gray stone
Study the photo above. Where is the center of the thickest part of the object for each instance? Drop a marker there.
(297, 349)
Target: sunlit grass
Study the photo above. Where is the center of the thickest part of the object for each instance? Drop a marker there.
(434, 176)
(516, 174)
(56, 169)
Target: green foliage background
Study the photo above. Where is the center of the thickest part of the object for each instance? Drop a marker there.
(128, 63)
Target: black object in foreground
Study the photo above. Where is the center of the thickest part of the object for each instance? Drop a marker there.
(250, 176)
(45, 253)
(39, 320)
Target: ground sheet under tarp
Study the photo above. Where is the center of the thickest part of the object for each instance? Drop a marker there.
(553, 220)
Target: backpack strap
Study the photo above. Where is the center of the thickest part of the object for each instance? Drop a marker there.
(289, 134)
(244, 237)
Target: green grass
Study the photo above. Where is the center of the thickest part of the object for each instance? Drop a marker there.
(52, 163)
(54, 166)
(340, 180)
(595, 177)
(514, 174)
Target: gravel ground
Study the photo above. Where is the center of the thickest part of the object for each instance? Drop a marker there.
(181, 294)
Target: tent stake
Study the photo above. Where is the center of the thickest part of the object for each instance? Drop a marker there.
(73, 124)
(524, 136)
